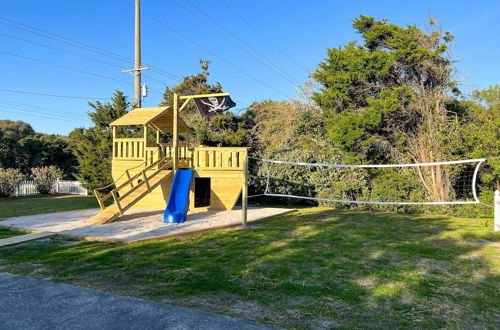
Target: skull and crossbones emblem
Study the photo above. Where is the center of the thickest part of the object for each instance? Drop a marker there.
(214, 105)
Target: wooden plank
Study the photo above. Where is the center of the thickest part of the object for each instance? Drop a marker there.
(234, 159)
(128, 139)
(113, 211)
(185, 97)
(25, 238)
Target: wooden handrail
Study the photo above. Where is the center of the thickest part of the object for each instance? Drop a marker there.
(129, 139)
(113, 193)
(165, 165)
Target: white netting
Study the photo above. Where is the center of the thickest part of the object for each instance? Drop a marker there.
(440, 183)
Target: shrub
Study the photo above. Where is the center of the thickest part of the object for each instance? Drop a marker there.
(9, 179)
(44, 178)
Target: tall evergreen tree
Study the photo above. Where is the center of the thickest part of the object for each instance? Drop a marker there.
(93, 146)
(386, 100)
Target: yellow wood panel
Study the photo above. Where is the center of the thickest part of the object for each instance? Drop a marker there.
(226, 177)
(140, 116)
(219, 173)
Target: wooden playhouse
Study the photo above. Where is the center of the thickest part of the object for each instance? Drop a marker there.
(143, 167)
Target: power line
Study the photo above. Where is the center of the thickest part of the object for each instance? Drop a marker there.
(58, 111)
(63, 66)
(75, 43)
(70, 68)
(42, 112)
(74, 54)
(258, 57)
(209, 51)
(265, 37)
(54, 95)
(32, 114)
(48, 114)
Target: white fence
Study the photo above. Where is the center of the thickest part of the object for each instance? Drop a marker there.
(26, 188)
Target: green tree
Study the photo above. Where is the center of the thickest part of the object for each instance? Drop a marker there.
(224, 129)
(40, 150)
(105, 113)
(11, 132)
(295, 131)
(477, 137)
(385, 100)
(93, 146)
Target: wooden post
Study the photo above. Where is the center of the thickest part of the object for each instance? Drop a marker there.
(244, 193)
(175, 132)
(117, 201)
(496, 225)
(145, 143)
(128, 177)
(99, 200)
(145, 177)
(114, 137)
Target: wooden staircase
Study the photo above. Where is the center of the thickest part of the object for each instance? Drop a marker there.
(149, 178)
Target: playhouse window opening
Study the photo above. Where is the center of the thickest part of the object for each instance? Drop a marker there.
(201, 192)
(130, 131)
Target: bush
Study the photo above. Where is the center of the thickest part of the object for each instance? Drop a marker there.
(44, 178)
(9, 179)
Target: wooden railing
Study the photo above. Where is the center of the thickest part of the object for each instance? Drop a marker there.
(185, 152)
(219, 158)
(157, 166)
(128, 148)
(152, 155)
(205, 158)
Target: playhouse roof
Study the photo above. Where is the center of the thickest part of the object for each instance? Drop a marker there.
(158, 117)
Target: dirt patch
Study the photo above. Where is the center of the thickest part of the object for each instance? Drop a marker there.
(483, 243)
(320, 324)
(249, 309)
(367, 282)
(299, 300)
(280, 243)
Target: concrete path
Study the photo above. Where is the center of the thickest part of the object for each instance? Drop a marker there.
(24, 238)
(28, 303)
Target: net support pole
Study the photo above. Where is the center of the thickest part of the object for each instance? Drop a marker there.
(496, 225)
(244, 192)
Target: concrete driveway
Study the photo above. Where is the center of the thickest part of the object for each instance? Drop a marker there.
(28, 303)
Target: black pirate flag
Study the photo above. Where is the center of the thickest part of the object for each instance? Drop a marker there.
(213, 104)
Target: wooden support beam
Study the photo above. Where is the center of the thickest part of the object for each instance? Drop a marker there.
(175, 131)
(184, 104)
(244, 193)
(185, 97)
(114, 138)
(99, 199)
(117, 201)
(127, 173)
(146, 181)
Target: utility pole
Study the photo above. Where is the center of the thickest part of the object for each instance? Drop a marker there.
(137, 64)
(137, 58)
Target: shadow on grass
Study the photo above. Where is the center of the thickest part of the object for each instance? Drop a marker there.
(311, 268)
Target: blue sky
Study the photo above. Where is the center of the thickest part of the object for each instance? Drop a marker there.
(302, 30)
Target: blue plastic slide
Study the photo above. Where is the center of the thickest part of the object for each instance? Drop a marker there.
(178, 201)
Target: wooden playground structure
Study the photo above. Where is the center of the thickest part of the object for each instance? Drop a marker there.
(143, 167)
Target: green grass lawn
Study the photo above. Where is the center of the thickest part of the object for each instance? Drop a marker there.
(5, 233)
(15, 207)
(313, 268)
